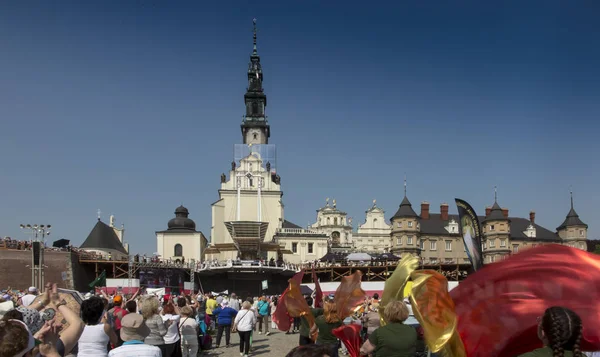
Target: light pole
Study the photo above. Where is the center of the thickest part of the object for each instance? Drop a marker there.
(39, 233)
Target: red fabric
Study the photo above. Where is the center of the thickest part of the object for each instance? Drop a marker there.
(350, 336)
(318, 291)
(118, 314)
(349, 295)
(498, 306)
(281, 316)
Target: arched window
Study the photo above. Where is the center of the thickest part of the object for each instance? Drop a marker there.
(335, 221)
(178, 250)
(374, 221)
(328, 221)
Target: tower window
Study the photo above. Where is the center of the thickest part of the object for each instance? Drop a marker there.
(178, 250)
(294, 247)
(310, 248)
(255, 108)
(255, 136)
(335, 221)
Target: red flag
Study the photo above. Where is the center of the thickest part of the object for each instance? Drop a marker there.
(318, 291)
(498, 306)
(350, 336)
(349, 295)
(281, 317)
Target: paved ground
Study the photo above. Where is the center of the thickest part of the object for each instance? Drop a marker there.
(277, 344)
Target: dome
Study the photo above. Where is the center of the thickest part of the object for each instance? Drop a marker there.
(181, 220)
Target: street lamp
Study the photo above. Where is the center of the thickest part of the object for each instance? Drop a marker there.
(39, 234)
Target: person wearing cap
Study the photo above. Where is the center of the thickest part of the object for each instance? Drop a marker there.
(27, 299)
(116, 314)
(133, 332)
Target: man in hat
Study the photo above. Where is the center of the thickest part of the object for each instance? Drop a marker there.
(133, 333)
(27, 299)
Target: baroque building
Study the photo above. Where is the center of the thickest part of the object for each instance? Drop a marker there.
(248, 221)
(374, 234)
(334, 224)
(181, 242)
(436, 239)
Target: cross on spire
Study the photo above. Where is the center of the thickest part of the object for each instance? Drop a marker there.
(99, 214)
(495, 193)
(405, 185)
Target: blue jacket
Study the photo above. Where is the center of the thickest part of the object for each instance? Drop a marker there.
(263, 308)
(224, 315)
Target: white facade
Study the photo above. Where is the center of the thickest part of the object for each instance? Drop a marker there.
(179, 246)
(249, 194)
(305, 245)
(375, 234)
(334, 224)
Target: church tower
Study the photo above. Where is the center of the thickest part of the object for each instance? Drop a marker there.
(255, 127)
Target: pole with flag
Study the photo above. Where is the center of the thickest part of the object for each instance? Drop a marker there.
(100, 280)
(470, 229)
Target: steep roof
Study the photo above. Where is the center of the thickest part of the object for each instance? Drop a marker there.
(405, 210)
(103, 237)
(571, 220)
(496, 214)
(288, 224)
(436, 226)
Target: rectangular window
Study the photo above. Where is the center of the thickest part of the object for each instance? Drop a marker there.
(432, 245)
(409, 224)
(399, 225)
(491, 227)
(515, 248)
(409, 240)
(492, 259)
(294, 247)
(399, 241)
(492, 243)
(581, 232)
(448, 245)
(448, 260)
(433, 260)
(310, 248)
(503, 243)
(483, 245)
(422, 245)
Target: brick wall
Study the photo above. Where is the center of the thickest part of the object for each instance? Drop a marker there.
(16, 274)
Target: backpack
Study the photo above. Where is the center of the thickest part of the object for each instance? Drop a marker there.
(118, 314)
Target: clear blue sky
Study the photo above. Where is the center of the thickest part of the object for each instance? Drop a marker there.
(133, 107)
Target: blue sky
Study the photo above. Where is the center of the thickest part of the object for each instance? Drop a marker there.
(133, 107)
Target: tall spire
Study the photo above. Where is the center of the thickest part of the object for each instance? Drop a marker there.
(254, 51)
(571, 192)
(255, 127)
(404, 184)
(495, 193)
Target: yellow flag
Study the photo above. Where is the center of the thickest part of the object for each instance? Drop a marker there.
(434, 308)
(394, 285)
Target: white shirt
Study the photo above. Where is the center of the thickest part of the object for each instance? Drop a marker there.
(28, 299)
(172, 335)
(245, 320)
(93, 341)
(135, 350)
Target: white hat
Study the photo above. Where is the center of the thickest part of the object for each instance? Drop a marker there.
(32, 289)
(6, 307)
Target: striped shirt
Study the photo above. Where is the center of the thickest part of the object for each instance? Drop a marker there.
(135, 349)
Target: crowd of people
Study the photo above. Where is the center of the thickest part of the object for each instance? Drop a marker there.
(180, 326)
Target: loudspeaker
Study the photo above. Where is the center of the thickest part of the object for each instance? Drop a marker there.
(36, 253)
